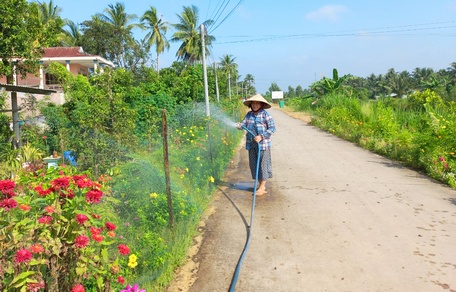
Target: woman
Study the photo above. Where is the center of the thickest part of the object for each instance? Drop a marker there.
(259, 122)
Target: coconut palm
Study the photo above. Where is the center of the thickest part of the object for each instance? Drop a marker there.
(157, 32)
(187, 32)
(48, 11)
(122, 26)
(72, 35)
(229, 67)
(249, 80)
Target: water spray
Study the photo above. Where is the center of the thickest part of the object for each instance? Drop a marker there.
(249, 228)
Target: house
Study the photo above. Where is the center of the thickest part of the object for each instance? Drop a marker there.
(76, 61)
(40, 83)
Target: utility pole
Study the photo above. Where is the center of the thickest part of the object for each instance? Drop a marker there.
(206, 91)
(229, 85)
(216, 83)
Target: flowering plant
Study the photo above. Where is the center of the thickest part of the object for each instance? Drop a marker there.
(52, 234)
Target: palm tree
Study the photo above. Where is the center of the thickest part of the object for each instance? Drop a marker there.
(121, 22)
(49, 16)
(72, 35)
(48, 11)
(187, 32)
(157, 32)
(249, 80)
(229, 67)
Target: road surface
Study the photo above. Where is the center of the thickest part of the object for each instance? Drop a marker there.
(336, 218)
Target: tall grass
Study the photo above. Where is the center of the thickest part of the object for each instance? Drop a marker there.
(418, 132)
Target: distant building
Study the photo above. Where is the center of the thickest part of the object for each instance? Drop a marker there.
(76, 62)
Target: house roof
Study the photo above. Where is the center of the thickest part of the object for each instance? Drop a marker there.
(56, 52)
(72, 54)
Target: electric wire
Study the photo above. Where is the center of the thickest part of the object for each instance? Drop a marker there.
(359, 33)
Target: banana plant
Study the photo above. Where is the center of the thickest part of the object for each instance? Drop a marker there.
(328, 86)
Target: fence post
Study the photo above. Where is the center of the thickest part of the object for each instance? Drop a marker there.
(166, 164)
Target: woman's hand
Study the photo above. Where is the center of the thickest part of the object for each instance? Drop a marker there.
(258, 138)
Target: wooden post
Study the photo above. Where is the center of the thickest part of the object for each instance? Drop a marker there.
(166, 164)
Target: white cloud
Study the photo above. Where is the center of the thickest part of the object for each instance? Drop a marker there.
(327, 12)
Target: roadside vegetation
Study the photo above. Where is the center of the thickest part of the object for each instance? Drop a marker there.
(415, 127)
(120, 210)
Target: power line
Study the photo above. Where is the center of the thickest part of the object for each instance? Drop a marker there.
(358, 33)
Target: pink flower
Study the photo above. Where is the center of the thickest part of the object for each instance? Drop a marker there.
(7, 185)
(45, 220)
(37, 248)
(49, 209)
(81, 219)
(94, 196)
(110, 226)
(95, 230)
(8, 204)
(23, 255)
(97, 237)
(78, 288)
(81, 241)
(123, 249)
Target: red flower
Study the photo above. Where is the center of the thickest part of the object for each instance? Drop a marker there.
(9, 193)
(96, 216)
(110, 226)
(8, 204)
(7, 185)
(121, 280)
(81, 219)
(23, 255)
(95, 230)
(45, 220)
(49, 209)
(81, 241)
(69, 194)
(93, 196)
(84, 183)
(60, 183)
(78, 288)
(41, 191)
(123, 249)
(44, 137)
(36, 248)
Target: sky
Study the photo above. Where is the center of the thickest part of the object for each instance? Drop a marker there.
(296, 42)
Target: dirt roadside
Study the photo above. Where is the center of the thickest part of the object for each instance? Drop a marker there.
(336, 218)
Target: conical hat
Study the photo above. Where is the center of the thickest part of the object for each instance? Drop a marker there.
(257, 97)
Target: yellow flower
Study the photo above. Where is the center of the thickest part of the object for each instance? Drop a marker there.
(198, 158)
(132, 258)
(186, 169)
(153, 195)
(211, 179)
(132, 264)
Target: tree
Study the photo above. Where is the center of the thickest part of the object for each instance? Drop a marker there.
(187, 32)
(22, 37)
(157, 32)
(48, 13)
(249, 80)
(72, 37)
(119, 21)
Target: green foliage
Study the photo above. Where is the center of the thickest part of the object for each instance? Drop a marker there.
(52, 233)
(419, 132)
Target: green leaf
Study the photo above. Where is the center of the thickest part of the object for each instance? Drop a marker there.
(22, 278)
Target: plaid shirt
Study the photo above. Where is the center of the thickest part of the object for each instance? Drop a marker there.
(260, 124)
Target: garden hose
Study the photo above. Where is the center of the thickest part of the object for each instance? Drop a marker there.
(249, 228)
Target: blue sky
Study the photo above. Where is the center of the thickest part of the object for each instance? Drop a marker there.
(297, 42)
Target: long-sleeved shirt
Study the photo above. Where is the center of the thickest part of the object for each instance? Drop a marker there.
(260, 124)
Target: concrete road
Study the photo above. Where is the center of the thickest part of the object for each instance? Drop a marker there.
(336, 218)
